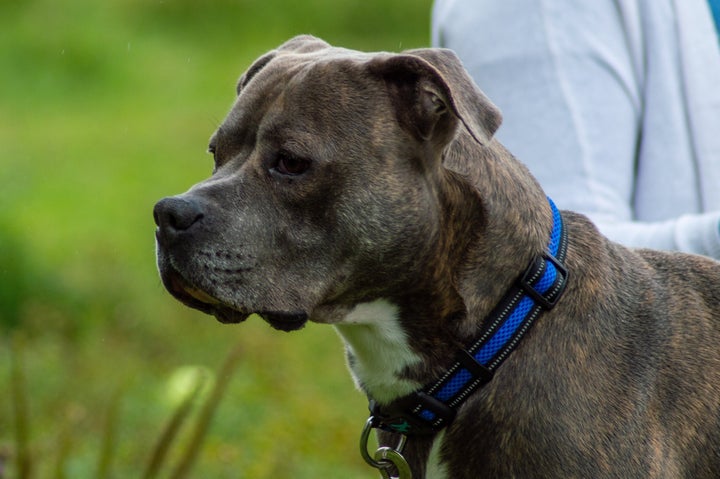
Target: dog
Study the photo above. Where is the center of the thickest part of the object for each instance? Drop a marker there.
(366, 191)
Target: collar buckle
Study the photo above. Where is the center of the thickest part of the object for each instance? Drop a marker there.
(395, 418)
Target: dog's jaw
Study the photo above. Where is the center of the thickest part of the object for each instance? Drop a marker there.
(378, 350)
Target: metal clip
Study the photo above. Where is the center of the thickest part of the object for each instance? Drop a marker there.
(385, 458)
(385, 455)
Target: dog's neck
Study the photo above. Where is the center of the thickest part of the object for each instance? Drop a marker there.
(400, 342)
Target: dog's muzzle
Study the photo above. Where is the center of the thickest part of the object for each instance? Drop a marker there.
(176, 218)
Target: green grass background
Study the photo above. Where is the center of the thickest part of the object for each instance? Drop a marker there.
(105, 107)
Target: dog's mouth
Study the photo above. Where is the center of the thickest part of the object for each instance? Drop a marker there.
(198, 299)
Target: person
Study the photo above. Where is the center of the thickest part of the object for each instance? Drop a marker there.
(614, 105)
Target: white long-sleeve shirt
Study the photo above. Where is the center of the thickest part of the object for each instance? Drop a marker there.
(613, 104)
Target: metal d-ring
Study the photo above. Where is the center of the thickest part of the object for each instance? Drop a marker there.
(385, 457)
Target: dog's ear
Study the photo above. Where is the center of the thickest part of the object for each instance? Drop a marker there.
(432, 92)
(258, 65)
(303, 44)
(298, 44)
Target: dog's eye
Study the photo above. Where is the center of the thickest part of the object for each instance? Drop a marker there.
(291, 165)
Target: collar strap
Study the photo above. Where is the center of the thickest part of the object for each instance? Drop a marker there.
(538, 289)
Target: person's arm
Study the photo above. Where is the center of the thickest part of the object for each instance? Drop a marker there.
(569, 84)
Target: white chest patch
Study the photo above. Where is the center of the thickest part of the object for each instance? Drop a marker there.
(435, 469)
(380, 350)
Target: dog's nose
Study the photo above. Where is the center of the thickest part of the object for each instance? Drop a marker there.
(176, 214)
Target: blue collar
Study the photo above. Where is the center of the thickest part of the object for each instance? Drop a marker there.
(434, 406)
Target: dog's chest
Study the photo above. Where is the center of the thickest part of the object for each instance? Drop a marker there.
(435, 469)
(378, 350)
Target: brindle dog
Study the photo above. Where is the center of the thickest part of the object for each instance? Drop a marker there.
(366, 191)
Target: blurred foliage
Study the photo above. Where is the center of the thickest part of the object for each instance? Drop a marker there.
(106, 107)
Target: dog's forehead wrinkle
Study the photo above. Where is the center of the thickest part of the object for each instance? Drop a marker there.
(260, 94)
(303, 132)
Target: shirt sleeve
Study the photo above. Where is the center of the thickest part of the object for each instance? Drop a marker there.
(569, 82)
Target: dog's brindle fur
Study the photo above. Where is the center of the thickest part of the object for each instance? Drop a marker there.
(346, 179)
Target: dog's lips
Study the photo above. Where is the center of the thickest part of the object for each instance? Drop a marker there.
(284, 321)
(200, 300)
(228, 315)
(186, 293)
(203, 301)
(200, 295)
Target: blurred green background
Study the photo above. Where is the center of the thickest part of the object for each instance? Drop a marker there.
(105, 107)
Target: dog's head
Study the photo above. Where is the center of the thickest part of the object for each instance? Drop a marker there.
(328, 187)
